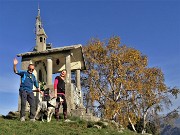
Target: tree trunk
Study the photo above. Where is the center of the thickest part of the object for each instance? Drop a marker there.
(144, 122)
(132, 125)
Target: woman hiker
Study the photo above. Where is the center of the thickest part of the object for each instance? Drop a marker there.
(59, 91)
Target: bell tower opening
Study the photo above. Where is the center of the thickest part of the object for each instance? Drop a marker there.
(41, 39)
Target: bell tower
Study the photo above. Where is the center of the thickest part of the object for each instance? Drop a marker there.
(40, 34)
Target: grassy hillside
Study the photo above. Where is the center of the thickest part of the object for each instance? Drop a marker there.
(12, 126)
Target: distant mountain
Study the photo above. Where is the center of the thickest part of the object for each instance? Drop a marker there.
(172, 130)
(177, 122)
(169, 130)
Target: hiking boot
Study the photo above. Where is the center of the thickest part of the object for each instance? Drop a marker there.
(67, 120)
(32, 120)
(22, 119)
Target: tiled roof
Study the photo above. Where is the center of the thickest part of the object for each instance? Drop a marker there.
(53, 50)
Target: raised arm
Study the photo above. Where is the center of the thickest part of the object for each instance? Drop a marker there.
(15, 62)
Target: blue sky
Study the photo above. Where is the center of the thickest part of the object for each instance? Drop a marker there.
(151, 26)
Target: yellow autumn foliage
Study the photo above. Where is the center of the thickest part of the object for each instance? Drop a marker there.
(119, 78)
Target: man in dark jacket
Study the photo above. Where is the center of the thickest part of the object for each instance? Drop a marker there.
(25, 91)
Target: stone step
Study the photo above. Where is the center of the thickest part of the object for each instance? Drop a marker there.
(81, 112)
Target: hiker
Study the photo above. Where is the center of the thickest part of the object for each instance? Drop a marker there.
(25, 91)
(59, 91)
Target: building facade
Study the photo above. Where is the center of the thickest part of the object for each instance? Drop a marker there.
(48, 61)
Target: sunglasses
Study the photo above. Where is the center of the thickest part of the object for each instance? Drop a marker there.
(30, 69)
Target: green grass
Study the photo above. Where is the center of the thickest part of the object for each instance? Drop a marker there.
(77, 127)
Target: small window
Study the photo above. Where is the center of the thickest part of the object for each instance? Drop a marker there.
(44, 40)
(41, 39)
(57, 61)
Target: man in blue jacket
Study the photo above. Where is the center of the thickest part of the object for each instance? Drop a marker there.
(25, 91)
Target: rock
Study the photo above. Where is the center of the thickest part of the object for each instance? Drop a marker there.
(12, 115)
(97, 126)
(67, 120)
(105, 123)
(120, 131)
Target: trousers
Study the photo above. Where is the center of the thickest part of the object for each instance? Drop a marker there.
(64, 104)
(27, 96)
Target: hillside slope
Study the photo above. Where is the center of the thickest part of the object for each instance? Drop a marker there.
(12, 126)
